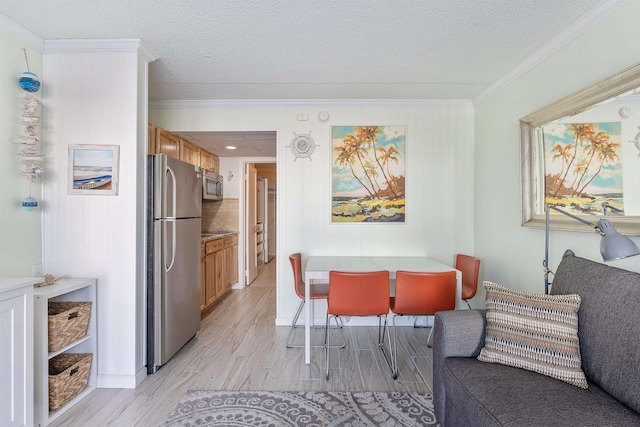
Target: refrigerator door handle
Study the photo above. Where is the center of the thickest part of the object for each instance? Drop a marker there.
(171, 222)
(174, 194)
(171, 218)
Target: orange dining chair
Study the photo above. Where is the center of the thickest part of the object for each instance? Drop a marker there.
(359, 294)
(318, 291)
(421, 294)
(470, 268)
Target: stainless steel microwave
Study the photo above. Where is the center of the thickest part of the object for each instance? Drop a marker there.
(211, 186)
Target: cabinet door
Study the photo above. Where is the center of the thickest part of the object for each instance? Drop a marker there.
(203, 281)
(231, 265)
(210, 278)
(167, 143)
(215, 164)
(189, 153)
(220, 285)
(206, 160)
(12, 362)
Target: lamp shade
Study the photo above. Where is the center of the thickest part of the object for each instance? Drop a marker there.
(614, 245)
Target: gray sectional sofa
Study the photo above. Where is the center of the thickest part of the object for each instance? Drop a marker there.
(468, 392)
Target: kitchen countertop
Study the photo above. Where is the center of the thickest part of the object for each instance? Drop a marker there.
(213, 236)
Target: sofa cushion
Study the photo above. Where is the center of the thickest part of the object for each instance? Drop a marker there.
(608, 324)
(534, 332)
(491, 394)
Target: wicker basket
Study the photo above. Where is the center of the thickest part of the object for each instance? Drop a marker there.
(68, 376)
(68, 322)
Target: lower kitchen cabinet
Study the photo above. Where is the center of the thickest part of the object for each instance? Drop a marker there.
(230, 260)
(219, 269)
(67, 290)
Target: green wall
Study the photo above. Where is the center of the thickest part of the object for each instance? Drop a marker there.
(20, 231)
(512, 255)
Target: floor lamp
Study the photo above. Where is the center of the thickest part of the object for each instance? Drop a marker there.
(613, 245)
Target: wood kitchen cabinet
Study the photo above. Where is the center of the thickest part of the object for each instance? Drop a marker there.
(167, 143)
(215, 164)
(212, 271)
(219, 269)
(231, 260)
(203, 296)
(189, 152)
(151, 139)
(161, 141)
(206, 160)
(219, 280)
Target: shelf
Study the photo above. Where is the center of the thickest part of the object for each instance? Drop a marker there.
(63, 290)
(53, 354)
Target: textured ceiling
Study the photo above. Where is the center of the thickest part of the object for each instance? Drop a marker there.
(292, 49)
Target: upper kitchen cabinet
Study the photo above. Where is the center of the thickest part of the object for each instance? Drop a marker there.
(206, 160)
(189, 152)
(151, 139)
(162, 141)
(215, 164)
(167, 143)
(209, 161)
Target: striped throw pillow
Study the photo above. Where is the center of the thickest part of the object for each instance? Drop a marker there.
(534, 332)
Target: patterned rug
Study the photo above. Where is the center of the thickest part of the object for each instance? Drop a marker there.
(304, 408)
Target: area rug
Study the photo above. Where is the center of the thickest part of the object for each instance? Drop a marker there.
(304, 408)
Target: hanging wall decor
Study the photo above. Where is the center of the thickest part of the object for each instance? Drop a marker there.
(93, 169)
(30, 118)
(368, 174)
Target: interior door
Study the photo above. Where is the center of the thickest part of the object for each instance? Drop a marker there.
(251, 181)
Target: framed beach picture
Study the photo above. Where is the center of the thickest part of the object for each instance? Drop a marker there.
(93, 169)
(368, 174)
(583, 167)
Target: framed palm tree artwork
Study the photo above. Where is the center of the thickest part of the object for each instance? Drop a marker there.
(368, 174)
(583, 167)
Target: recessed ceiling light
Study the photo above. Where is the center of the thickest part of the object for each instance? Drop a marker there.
(230, 147)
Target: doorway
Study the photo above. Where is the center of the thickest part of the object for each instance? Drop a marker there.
(260, 216)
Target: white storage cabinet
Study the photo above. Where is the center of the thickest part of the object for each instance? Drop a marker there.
(62, 290)
(16, 351)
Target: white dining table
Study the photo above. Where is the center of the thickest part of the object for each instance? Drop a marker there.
(317, 268)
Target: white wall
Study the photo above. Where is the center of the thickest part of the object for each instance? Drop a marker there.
(512, 254)
(94, 97)
(20, 244)
(439, 202)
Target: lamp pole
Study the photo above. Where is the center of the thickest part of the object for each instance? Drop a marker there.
(612, 245)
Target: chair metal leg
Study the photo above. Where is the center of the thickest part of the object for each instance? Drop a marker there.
(394, 357)
(294, 327)
(429, 343)
(327, 348)
(468, 305)
(382, 331)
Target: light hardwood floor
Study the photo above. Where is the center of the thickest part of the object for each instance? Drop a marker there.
(240, 348)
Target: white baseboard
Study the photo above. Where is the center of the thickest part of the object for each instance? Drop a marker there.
(118, 381)
(362, 321)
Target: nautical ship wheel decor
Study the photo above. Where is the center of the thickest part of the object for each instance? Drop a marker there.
(302, 145)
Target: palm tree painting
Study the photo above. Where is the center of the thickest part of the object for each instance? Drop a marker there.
(367, 183)
(583, 167)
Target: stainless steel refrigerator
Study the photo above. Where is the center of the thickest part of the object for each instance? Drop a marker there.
(173, 265)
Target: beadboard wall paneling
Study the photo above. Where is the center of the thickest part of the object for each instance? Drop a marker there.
(439, 168)
(94, 98)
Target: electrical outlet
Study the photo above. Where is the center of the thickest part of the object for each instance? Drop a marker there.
(36, 270)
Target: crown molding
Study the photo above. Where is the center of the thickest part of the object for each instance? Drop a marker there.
(588, 20)
(20, 33)
(349, 103)
(53, 47)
